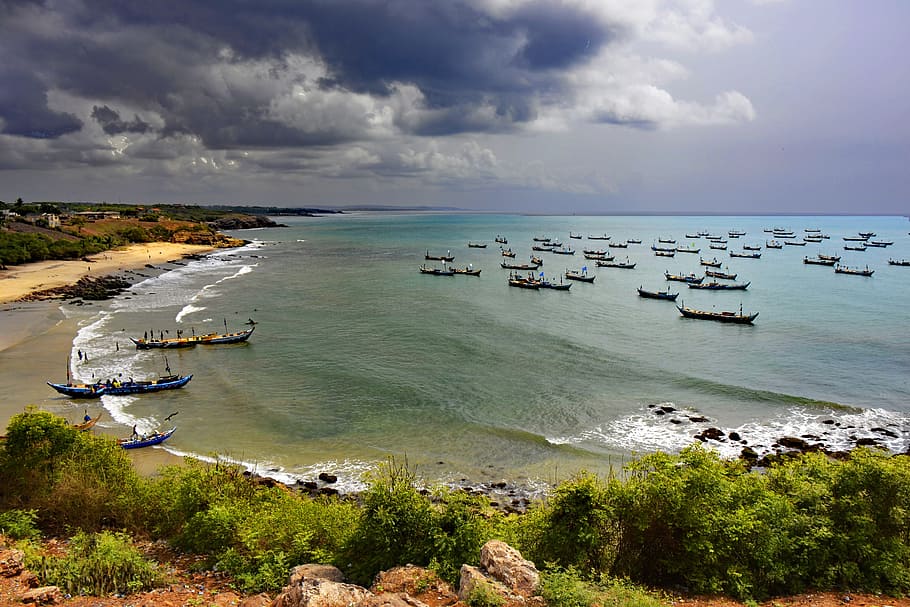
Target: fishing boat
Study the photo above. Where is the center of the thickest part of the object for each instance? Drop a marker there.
(576, 236)
(507, 252)
(818, 261)
(658, 294)
(751, 247)
(633, 241)
(518, 266)
(87, 422)
(731, 317)
(580, 276)
(736, 233)
(899, 262)
(447, 257)
(165, 382)
(667, 240)
(880, 243)
(211, 339)
(687, 250)
(604, 237)
(541, 239)
(856, 238)
(665, 253)
(501, 239)
(867, 234)
(711, 263)
(515, 280)
(655, 247)
(477, 245)
(839, 269)
(619, 245)
(167, 342)
(555, 286)
(751, 255)
(436, 271)
(146, 440)
(773, 244)
(599, 256)
(815, 239)
(718, 239)
(542, 247)
(563, 251)
(595, 252)
(860, 247)
(717, 274)
(536, 260)
(829, 257)
(690, 278)
(718, 247)
(626, 265)
(811, 230)
(719, 286)
(693, 236)
(796, 243)
(74, 390)
(468, 271)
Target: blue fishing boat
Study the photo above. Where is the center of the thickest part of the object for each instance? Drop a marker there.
(138, 441)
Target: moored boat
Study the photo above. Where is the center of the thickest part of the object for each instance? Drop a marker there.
(687, 250)
(899, 262)
(665, 253)
(633, 240)
(447, 257)
(690, 278)
(501, 239)
(795, 243)
(829, 257)
(773, 244)
(468, 271)
(711, 263)
(839, 269)
(580, 276)
(859, 247)
(627, 265)
(507, 252)
(188, 342)
(603, 237)
(751, 255)
(731, 317)
(477, 245)
(719, 286)
(818, 261)
(718, 274)
(658, 294)
(619, 245)
(519, 266)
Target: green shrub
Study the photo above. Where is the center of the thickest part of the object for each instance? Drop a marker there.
(565, 588)
(20, 524)
(97, 564)
(461, 524)
(484, 595)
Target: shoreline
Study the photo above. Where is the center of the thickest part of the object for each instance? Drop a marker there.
(36, 337)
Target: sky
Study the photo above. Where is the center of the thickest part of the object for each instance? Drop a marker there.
(539, 106)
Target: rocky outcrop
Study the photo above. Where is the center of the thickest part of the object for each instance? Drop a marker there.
(46, 595)
(11, 562)
(503, 571)
(319, 592)
(87, 288)
(243, 222)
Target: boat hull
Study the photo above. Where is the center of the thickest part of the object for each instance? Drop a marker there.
(728, 317)
(146, 441)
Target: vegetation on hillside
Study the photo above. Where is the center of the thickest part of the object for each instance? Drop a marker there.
(690, 521)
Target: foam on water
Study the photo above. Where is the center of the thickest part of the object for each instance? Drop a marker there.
(644, 431)
(187, 310)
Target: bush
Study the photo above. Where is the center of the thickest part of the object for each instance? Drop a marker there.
(484, 595)
(20, 524)
(97, 564)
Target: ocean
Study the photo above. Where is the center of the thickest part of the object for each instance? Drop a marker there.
(357, 356)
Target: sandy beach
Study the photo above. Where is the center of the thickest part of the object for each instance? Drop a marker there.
(19, 281)
(36, 337)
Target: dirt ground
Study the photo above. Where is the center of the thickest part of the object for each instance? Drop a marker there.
(189, 588)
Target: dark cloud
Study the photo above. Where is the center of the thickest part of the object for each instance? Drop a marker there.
(24, 109)
(112, 124)
(476, 71)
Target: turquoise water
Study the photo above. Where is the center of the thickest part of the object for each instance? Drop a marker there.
(358, 356)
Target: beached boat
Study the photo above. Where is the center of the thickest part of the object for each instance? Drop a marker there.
(731, 317)
(692, 278)
(839, 269)
(87, 422)
(477, 245)
(147, 440)
(74, 390)
(658, 294)
(580, 276)
(750, 255)
(468, 271)
(717, 274)
(711, 263)
(818, 261)
(899, 262)
(165, 382)
(447, 257)
(719, 286)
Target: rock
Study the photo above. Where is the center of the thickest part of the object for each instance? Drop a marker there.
(389, 599)
(46, 595)
(711, 433)
(667, 408)
(734, 436)
(320, 593)
(415, 581)
(328, 478)
(792, 442)
(748, 454)
(867, 442)
(506, 565)
(885, 432)
(315, 571)
(11, 562)
(471, 577)
(698, 419)
(258, 600)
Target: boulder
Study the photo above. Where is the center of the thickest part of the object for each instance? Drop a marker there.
(11, 562)
(471, 577)
(506, 565)
(46, 595)
(415, 581)
(257, 600)
(320, 593)
(391, 599)
(314, 571)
